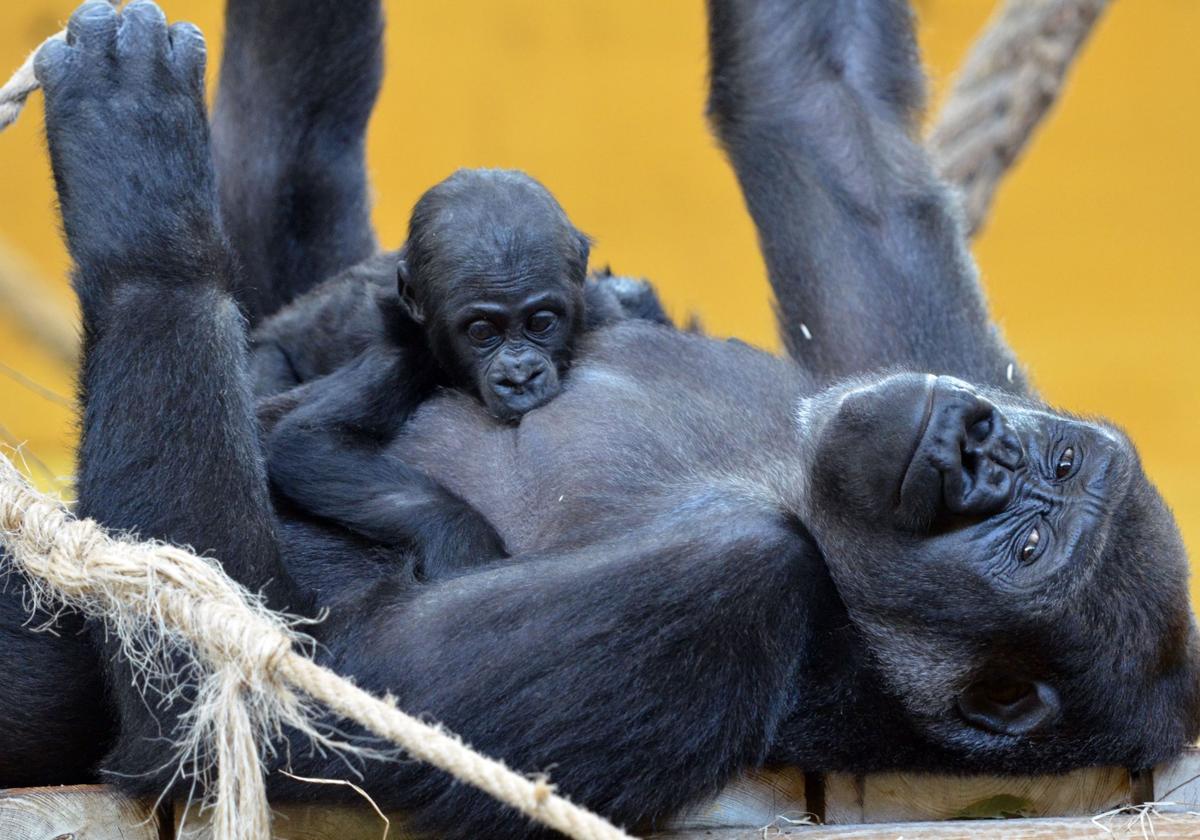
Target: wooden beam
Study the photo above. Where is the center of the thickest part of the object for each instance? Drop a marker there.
(758, 806)
(305, 822)
(1177, 785)
(909, 797)
(757, 798)
(79, 812)
(1117, 827)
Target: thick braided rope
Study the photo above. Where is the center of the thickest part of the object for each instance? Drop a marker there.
(248, 656)
(22, 83)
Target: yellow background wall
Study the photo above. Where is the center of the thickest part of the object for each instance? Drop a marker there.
(1091, 258)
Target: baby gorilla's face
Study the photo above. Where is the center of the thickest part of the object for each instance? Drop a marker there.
(512, 338)
(494, 269)
(516, 351)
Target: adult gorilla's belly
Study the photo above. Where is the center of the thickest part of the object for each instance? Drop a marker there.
(649, 418)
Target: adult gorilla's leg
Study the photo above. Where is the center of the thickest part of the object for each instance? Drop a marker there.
(169, 446)
(817, 103)
(298, 81)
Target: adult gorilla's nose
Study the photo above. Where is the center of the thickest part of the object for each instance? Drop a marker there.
(966, 459)
(988, 456)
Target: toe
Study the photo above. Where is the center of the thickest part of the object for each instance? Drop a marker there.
(188, 50)
(51, 62)
(143, 30)
(93, 27)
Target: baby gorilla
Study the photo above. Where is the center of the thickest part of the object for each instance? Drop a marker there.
(493, 292)
(494, 273)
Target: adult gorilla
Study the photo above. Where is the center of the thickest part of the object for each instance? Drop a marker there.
(725, 559)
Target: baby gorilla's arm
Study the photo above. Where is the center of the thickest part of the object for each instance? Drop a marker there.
(328, 457)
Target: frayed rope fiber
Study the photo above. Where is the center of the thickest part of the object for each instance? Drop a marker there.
(164, 603)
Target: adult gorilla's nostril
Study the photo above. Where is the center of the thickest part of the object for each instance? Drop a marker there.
(991, 438)
(990, 452)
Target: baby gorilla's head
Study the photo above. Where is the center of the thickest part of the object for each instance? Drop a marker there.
(494, 271)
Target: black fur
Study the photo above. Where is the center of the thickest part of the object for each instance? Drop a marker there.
(721, 558)
(54, 722)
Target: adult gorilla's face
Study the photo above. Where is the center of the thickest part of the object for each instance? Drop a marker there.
(1019, 582)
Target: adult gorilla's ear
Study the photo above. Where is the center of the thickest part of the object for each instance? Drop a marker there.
(408, 299)
(1009, 705)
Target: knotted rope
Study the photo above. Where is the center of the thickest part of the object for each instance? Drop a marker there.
(163, 602)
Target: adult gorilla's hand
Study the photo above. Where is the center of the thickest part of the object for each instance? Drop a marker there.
(127, 132)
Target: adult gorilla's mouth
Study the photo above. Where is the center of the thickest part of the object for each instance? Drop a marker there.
(922, 428)
(964, 459)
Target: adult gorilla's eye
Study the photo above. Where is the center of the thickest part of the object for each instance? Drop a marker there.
(1065, 462)
(1032, 543)
(541, 322)
(481, 332)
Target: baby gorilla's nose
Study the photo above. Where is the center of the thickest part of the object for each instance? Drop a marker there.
(516, 377)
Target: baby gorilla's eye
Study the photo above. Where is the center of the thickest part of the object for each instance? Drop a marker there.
(1032, 542)
(1065, 461)
(481, 332)
(541, 322)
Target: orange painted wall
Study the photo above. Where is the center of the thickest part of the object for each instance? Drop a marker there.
(1091, 258)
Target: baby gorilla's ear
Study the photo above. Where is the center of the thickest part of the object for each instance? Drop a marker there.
(578, 261)
(408, 300)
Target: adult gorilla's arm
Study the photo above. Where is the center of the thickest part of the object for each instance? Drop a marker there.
(298, 81)
(642, 672)
(817, 103)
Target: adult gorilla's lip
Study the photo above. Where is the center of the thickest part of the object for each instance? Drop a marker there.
(922, 428)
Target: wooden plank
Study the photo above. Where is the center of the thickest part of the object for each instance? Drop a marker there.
(80, 812)
(911, 797)
(304, 822)
(756, 799)
(1118, 827)
(758, 805)
(1177, 784)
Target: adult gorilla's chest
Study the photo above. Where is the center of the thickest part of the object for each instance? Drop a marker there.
(649, 418)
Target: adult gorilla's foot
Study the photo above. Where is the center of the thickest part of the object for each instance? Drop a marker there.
(128, 138)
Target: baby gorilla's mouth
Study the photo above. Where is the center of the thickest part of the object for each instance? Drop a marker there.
(964, 461)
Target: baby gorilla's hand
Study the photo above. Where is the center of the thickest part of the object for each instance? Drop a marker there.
(128, 137)
(457, 538)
